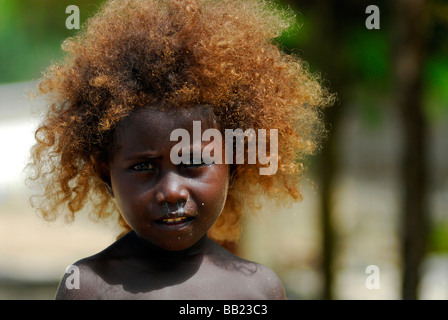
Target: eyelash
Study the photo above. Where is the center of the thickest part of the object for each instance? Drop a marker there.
(191, 164)
(147, 166)
(138, 167)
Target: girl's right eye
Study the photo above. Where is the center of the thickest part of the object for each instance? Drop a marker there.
(144, 166)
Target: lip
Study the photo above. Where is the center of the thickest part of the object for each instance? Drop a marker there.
(175, 221)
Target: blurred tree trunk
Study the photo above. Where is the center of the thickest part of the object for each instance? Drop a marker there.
(326, 52)
(327, 172)
(330, 39)
(409, 63)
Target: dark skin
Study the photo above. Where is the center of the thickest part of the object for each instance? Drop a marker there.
(170, 209)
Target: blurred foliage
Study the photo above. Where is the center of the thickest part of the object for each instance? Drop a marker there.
(438, 237)
(436, 73)
(31, 34)
(436, 93)
(362, 57)
(367, 55)
(32, 31)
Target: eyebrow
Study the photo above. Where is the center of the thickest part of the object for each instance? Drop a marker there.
(153, 155)
(146, 155)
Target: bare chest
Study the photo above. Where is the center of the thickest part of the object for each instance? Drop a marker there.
(201, 284)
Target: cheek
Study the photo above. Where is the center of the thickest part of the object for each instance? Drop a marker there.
(216, 191)
(130, 200)
(134, 210)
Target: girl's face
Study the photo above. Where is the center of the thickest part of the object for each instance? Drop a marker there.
(171, 206)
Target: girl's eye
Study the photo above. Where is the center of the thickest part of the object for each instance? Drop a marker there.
(145, 166)
(192, 164)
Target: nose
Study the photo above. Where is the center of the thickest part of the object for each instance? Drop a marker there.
(172, 191)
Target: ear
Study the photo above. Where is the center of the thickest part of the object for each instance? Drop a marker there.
(109, 188)
(104, 174)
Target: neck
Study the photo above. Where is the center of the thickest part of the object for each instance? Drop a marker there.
(149, 249)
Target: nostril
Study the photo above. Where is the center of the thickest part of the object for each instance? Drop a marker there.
(174, 209)
(160, 198)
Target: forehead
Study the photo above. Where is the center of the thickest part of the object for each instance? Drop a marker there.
(148, 127)
(158, 119)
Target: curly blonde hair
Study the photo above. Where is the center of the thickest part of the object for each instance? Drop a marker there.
(180, 53)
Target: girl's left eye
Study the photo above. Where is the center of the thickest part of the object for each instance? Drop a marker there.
(145, 166)
(191, 163)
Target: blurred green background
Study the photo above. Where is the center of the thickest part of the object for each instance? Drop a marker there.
(377, 192)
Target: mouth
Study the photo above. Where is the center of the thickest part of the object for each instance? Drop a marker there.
(174, 220)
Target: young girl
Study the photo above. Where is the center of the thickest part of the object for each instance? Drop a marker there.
(138, 71)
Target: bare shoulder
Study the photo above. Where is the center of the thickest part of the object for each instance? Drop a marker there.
(261, 281)
(84, 280)
(269, 283)
(81, 281)
(77, 283)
